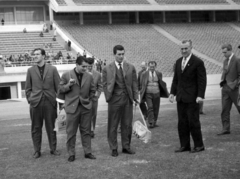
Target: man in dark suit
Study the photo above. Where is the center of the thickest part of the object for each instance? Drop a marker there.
(97, 79)
(121, 91)
(189, 85)
(152, 88)
(41, 88)
(142, 105)
(78, 89)
(230, 83)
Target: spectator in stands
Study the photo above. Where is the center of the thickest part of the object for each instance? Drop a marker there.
(97, 79)
(54, 39)
(230, 83)
(120, 93)
(84, 53)
(78, 54)
(189, 86)
(78, 106)
(2, 21)
(41, 95)
(143, 106)
(152, 88)
(105, 63)
(69, 45)
(2, 64)
(55, 32)
(41, 34)
(24, 30)
(51, 25)
(45, 29)
(66, 45)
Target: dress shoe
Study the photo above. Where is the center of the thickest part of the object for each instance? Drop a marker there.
(71, 158)
(92, 134)
(114, 153)
(224, 133)
(183, 149)
(55, 152)
(128, 151)
(37, 155)
(90, 156)
(201, 113)
(197, 149)
(151, 125)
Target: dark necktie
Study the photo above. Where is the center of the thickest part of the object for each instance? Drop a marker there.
(227, 63)
(183, 63)
(152, 75)
(120, 68)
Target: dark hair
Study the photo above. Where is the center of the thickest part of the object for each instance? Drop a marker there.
(90, 61)
(227, 46)
(187, 41)
(80, 60)
(42, 51)
(151, 62)
(117, 47)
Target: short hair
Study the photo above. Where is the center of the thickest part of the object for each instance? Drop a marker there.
(151, 62)
(143, 64)
(90, 60)
(42, 51)
(227, 46)
(116, 48)
(80, 60)
(187, 41)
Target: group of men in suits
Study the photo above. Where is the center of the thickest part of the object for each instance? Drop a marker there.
(81, 87)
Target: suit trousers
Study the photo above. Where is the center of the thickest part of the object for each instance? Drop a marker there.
(94, 114)
(189, 124)
(153, 104)
(120, 109)
(143, 108)
(229, 97)
(80, 119)
(44, 111)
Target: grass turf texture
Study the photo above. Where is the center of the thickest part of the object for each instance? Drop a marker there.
(157, 159)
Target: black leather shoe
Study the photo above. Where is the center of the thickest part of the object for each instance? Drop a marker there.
(197, 149)
(37, 155)
(55, 152)
(90, 156)
(224, 133)
(183, 149)
(92, 134)
(151, 125)
(114, 153)
(128, 151)
(71, 158)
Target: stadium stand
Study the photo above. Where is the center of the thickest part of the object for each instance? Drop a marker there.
(207, 37)
(141, 42)
(236, 1)
(110, 2)
(61, 2)
(191, 1)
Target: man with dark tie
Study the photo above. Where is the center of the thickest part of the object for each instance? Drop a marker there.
(121, 91)
(189, 85)
(230, 83)
(152, 88)
(77, 89)
(41, 89)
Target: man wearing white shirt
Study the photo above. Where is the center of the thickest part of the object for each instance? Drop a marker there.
(230, 83)
(189, 85)
(121, 91)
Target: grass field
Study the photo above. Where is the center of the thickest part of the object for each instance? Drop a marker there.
(156, 160)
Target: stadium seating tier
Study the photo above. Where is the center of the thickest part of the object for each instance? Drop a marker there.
(110, 2)
(179, 2)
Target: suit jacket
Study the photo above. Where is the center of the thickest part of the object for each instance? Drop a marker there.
(231, 73)
(139, 76)
(82, 93)
(97, 80)
(191, 83)
(144, 81)
(130, 77)
(36, 86)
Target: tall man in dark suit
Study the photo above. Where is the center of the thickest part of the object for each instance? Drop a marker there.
(97, 80)
(152, 88)
(78, 89)
(41, 88)
(121, 91)
(229, 82)
(142, 105)
(189, 85)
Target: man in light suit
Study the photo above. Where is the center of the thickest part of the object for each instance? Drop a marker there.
(97, 79)
(230, 83)
(189, 85)
(78, 89)
(152, 88)
(121, 91)
(41, 88)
